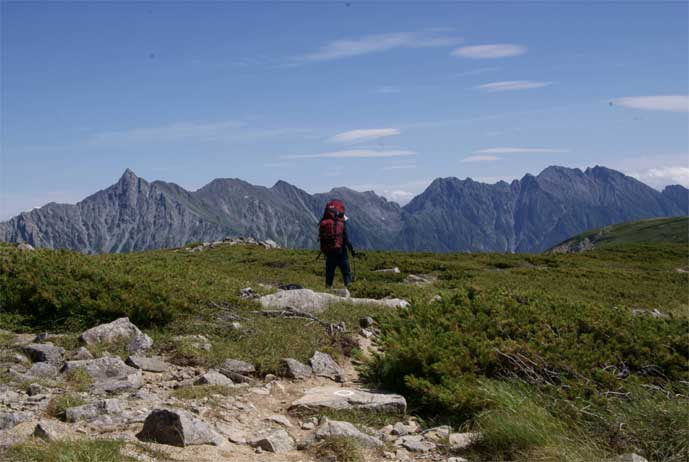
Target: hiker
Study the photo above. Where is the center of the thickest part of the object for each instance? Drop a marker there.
(332, 233)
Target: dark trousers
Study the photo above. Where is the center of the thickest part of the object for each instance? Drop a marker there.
(337, 261)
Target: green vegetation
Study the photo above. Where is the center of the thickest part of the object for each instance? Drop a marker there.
(339, 449)
(546, 355)
(362, 418)
(202, 391)
(78, 379)
(673, 230)
(59, 404)
(68, 451)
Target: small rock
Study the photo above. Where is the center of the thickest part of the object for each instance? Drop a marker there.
(459, 441)
(93, 410)
(330, 428)
(436, 299)
(237, 366)
(24, 247)
(315, 302)
(82, 354)
(280, 419)
(11, 419)
(308, 426)
(237, 377)
(118, 331)
(177, 427)
(196, 341)
(277, 441)
(294, 369)
(110, 374)
(366, 322)
(343, 292)
(213, 377)
(437, 434)
(53, 430)
(42, 371)
(44, 352)
(402, 429)
(232, 434)
(152, 364)
(334, 397)
(415, 443)
(367, 333)
(457, 459)
(324, 366)
(20, 358)
(629, 457)
(247, 292)
(414, 279)
(35, 389)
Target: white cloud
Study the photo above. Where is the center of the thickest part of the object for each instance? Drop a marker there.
(353, 136)
(512, 150)
(376, 43)
(494, 179)
(353, 154)
(672, 103)
(498, 50)
(662, 176)
(399, 196)
(481, 159)
(389, 89)
(510, 85)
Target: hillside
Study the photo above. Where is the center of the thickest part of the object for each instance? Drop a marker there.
(451, 215)
(655, 231)
(526, 357)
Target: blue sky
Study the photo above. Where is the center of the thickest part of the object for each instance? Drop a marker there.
(382, 96)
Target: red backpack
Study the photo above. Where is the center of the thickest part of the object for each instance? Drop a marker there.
(331, 228)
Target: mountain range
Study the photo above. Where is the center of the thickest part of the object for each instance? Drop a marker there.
(527, 215)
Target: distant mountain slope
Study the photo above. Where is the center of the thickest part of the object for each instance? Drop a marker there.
(673, 230)
(527, 215)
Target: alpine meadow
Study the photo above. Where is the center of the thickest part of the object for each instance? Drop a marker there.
(362, 231)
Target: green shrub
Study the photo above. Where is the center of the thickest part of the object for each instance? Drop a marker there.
(337, 448)
(572, 354)
(68, 451)
(59, 404)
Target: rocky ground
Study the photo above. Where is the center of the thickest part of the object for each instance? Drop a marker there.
(188, 413)
(112, 386)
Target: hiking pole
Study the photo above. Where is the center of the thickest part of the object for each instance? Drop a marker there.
(353, 268)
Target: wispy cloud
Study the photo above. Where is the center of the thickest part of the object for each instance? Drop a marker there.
(662, 176)
(481, 70)
(510, 85)
(671, 103)
(497, 50)
(353, 154)
(354, 136)
(387, 89)
(513, 150)
(376, 43)
(481, 158)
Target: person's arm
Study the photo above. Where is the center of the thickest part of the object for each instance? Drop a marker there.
(347, 243)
